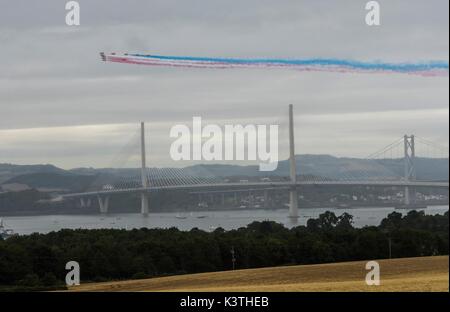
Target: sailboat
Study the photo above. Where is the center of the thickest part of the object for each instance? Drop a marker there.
(179, 216)
(4, 232)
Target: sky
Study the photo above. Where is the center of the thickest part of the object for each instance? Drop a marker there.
(60, 104)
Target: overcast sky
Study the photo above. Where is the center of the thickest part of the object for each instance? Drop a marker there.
(60, 104)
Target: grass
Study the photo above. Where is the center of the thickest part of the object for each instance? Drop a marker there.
(406, 274)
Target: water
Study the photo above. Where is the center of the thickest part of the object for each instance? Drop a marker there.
(208, 220)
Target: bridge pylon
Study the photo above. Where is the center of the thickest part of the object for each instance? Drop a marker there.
(293, 196)
(144, 196)
(409, 197)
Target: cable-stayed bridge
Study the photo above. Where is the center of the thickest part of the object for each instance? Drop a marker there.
(378, 169)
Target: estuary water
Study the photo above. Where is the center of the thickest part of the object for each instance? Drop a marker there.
(208, 220)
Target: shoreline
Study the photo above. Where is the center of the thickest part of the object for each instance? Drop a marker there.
(96, 213)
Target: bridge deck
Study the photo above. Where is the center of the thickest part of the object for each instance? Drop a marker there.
(265, 185)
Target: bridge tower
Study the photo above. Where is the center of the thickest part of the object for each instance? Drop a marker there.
(409, 167)
(293, 204)
(144, 197)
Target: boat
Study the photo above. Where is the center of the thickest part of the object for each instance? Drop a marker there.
(201, 216)
(180, 217)
(4, 232)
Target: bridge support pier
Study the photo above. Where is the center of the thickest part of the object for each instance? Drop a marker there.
(406, 196)
(85, 202)
(409, 196)
(266, 199)
(293, 203)
(144, 204)
(103, 203)
(251, 198)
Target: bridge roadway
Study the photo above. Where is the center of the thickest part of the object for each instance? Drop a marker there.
(260, 185)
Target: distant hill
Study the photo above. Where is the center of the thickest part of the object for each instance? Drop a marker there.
(331, 167)
(8, 171)
(309, 165)
(55, 181)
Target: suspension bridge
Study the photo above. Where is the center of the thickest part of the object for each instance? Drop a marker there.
(158, 179)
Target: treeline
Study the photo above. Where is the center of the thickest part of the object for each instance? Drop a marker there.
(39, 260)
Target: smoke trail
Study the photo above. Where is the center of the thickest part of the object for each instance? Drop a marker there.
(430, 68)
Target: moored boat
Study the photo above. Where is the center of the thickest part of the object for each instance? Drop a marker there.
(4, 232)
